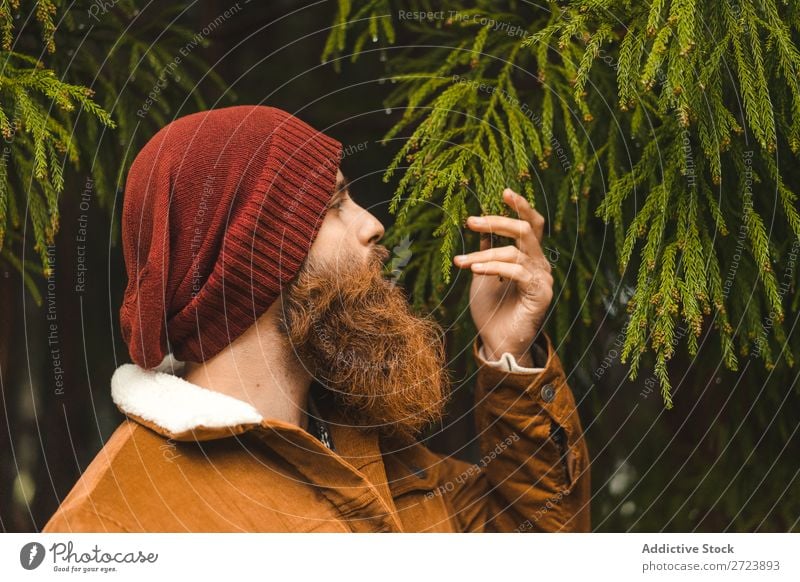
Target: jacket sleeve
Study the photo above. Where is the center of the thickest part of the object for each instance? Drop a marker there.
(533, 474)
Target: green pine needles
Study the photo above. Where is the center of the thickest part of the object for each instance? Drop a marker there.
(39, 125)
(659, 137)
(51, 121)
(35, 119)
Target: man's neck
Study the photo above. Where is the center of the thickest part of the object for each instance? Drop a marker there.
(260, 368)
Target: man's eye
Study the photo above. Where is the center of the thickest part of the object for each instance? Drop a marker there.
(338, 204)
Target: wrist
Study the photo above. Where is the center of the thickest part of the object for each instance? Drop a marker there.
(520, 351)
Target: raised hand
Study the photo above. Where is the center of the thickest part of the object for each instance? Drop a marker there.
(512, 286)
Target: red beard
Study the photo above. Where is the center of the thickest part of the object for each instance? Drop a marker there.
(355, 332)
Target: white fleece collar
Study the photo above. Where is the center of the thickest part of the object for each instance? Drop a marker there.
(161, 397)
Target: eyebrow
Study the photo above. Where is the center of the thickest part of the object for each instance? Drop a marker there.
(342, 186)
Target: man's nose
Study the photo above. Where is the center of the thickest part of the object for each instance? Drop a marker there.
(372, 230)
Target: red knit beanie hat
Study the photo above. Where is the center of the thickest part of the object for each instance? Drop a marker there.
(220, 211)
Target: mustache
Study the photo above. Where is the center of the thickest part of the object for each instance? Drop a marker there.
(379, 255)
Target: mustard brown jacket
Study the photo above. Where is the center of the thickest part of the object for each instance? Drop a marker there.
(187, 459)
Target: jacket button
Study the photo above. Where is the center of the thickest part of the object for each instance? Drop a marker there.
(548, 392)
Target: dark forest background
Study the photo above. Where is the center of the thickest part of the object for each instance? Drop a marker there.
(652, 469)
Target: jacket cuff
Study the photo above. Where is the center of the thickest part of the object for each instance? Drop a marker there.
(508, 363)
(543, 353)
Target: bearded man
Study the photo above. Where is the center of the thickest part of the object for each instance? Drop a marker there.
(280, 381)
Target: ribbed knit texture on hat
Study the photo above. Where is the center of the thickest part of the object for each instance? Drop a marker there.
(220, 210)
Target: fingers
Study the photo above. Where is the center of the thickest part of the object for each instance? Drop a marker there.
(508, 253)
(502, 225)
(529, 221)
(525, 211)
(527, 278)
(513, 271)
(520, 230)
(511, 262)
(527, 230)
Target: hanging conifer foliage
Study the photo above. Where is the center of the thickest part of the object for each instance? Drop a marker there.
(660, 138)
(70, 109)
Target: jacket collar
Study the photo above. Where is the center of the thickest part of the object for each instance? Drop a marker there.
(166, 403)
(163, 401)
